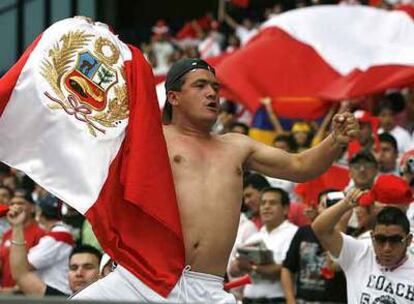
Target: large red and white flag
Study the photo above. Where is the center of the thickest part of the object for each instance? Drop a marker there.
(79, 115)
(308, 55)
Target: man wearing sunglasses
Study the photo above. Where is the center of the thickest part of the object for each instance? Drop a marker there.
(381, 273)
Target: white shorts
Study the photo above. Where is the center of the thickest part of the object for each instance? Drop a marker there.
(193, 287)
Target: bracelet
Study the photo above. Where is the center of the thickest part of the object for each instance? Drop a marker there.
(13, 242)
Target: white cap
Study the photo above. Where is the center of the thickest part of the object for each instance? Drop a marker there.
(104, 261)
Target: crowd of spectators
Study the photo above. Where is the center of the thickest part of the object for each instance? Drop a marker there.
(47, 248)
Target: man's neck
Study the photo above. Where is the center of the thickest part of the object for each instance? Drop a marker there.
(49, 224)
(272, 226)
(192, 130)
(396, 265)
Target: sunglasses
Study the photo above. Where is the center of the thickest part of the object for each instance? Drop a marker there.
(395, 239)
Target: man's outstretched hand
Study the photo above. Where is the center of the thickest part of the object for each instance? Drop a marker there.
(344, 128)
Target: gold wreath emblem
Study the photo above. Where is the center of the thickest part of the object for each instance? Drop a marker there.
(111, 59)
(61, 58)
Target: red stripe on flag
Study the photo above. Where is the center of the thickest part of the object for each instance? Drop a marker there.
(62, 236)
(276, 65)
(374, 80)
(136, 216)
(8, 81)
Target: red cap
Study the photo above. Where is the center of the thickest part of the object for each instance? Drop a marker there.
(389, 190)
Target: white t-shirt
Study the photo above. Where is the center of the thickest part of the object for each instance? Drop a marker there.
(209, 47)
(278, 240)
(402, 136)
(50, 257)
(162, 51)
(244, 34)
(246, 229)
(370, 283)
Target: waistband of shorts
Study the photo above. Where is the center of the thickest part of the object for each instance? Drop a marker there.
(202, 276)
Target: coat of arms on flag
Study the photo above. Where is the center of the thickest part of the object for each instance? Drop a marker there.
(88, 84)
(78, 114)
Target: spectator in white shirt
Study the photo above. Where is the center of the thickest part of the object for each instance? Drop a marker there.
(387, 111)
(381, 273)
(388, 154)
(276, 234)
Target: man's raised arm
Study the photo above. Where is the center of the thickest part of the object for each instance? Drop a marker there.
(308, 164)
(324, 224)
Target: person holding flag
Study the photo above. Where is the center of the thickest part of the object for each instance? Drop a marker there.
(207, 171)
(79, 86)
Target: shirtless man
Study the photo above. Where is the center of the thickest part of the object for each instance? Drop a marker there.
(208, 171)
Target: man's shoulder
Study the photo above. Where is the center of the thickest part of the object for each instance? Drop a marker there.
(235, 138)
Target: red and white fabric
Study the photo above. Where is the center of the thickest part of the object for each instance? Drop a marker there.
(79, 115)
(50, 257)
(305, 56)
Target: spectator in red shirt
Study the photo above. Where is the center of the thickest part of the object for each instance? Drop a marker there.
(32, 235)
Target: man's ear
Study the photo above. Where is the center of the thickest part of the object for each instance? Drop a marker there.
(173, 97)
(409, 239)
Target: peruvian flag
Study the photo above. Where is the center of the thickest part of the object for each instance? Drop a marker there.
(306, 57)
(79, 115)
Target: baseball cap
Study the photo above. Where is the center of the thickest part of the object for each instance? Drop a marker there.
(301, 126)
(50, 205)
(363, 155)
(388, 189)
(182, 67)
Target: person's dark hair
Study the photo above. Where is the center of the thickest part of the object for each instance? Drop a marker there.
(388, 138)
(228, 106)
(393, 216)
(28, 184)
(256, 181)
(86, 249)
(4, 169)
(167, 110)
(284, 196)
(23, 193)
(363, 155)
(241, 125)
(392, 101)
(288, 139)
(8, 189)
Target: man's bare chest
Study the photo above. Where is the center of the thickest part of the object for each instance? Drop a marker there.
(212, 160)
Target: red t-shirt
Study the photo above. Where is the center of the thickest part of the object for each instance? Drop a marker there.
(32, 235)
